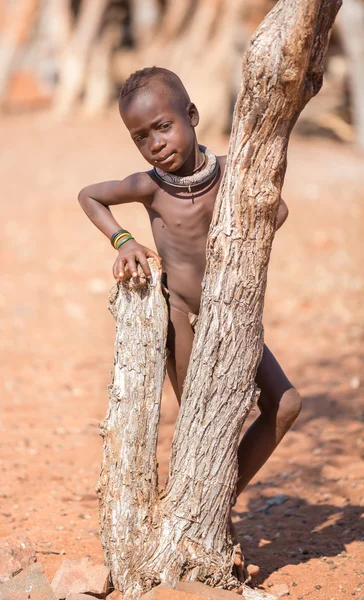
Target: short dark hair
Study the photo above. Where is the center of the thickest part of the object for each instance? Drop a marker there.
(148, 76)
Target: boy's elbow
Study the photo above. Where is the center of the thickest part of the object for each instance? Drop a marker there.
(283, 213)
(82, 195)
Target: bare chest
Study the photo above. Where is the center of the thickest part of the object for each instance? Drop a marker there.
(182, 214)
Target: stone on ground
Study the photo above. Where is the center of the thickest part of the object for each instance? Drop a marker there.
(32, 580)
(16, 595)
(16, 553)
(187, 590)
(80, 597)
(205, 591)
(162, 592)
(81, 577)
(280, 589)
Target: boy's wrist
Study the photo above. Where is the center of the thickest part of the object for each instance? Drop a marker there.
(123, 241)
(118, 237)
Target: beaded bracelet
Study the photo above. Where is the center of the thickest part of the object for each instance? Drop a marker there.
(125, 239)
(117, 235)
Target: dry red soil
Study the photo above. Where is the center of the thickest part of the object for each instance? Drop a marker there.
(57, 345)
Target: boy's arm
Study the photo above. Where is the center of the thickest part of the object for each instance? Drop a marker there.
(282, 213)
(97, 198)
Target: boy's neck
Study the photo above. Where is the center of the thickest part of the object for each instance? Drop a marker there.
(195, 160)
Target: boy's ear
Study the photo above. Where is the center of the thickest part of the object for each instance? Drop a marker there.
(193, 114)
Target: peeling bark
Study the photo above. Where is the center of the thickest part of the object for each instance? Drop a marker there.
(184, 533)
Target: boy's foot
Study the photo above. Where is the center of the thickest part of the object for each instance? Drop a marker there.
(244, 573)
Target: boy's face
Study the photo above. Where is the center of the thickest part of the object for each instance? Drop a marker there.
(162, 129)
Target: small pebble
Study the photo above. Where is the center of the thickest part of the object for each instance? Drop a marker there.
(318, 587)
(280, 590)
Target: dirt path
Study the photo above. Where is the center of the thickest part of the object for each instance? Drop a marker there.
(57, 340)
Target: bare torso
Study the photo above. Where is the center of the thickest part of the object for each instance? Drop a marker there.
(180, 223)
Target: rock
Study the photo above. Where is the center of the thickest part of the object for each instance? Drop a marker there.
(32, 580)
(162, 592)
(209, 593)
(205, 591)
(188, 590)
(16, 595)
(250, 594)
(16, 553)
(280, 590)
(275, 501)
(81, 577)
(80, 597)
(115, 595)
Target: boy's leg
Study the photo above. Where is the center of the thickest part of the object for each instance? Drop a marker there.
(279, 406)
(179, 343)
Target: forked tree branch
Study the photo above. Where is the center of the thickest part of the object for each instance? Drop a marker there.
(186, 532)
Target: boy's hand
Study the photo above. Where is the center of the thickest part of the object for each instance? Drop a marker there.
(131, 253)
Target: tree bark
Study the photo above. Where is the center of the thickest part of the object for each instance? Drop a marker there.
(76, 55)
(128, 485)
(351, 27)
(185, 533)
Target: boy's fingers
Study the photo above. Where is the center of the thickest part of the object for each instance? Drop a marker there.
(119, 269)
(152, 254)
(132, 267)
(142, 259)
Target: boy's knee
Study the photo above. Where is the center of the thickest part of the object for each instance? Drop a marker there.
(290, 406)
(285, 409)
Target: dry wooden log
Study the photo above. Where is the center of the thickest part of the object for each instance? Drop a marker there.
(185, 533)
(128, 477)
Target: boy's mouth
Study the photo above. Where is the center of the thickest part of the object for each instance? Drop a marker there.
(165, 159)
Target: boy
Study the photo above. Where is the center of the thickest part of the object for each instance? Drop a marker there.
(179, 195)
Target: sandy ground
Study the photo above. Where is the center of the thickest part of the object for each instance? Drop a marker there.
(57, 342)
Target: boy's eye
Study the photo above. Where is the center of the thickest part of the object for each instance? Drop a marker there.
(165, 126)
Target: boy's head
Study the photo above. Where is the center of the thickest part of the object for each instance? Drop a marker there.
(160, 117)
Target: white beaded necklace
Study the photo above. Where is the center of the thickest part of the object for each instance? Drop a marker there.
(208, 171)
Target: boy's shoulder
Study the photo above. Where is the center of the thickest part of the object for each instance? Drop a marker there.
(141, 185)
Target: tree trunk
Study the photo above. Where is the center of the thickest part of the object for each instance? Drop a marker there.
(99, 84)
(184, 533)
(18, 21)
(76, 56)
(351, 26)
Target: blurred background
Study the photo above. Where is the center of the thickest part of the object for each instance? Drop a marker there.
(61, 66)
(70, 55)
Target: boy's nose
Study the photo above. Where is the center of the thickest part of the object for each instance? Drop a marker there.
(156, 144)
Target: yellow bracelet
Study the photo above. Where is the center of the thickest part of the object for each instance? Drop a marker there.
(119, 237)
